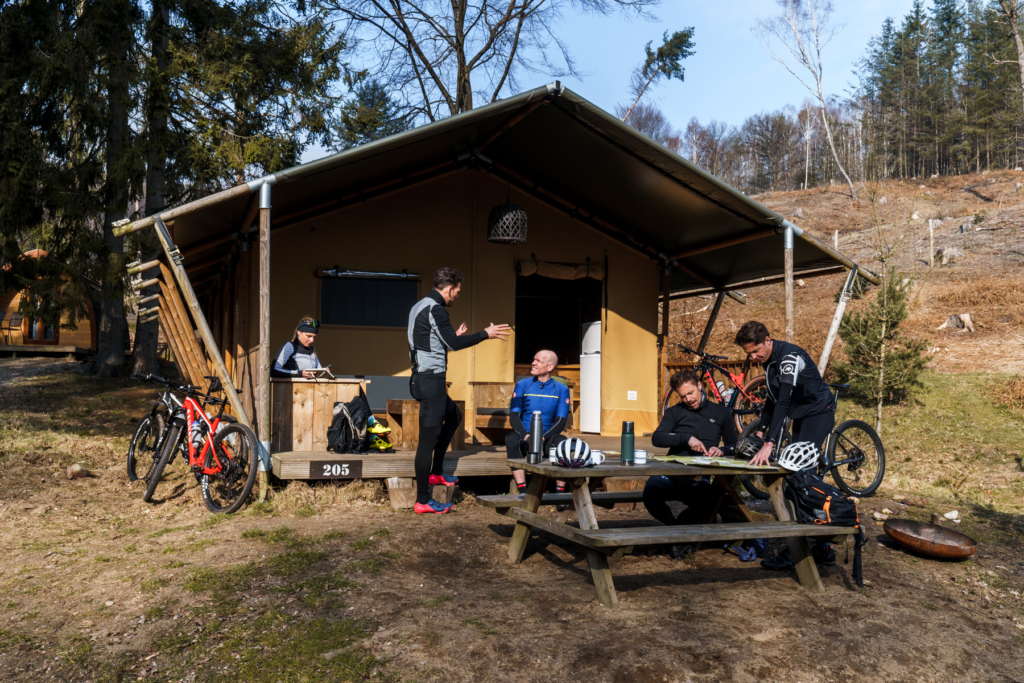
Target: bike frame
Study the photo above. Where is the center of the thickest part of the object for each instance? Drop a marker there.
(704, 370)
(192, 411)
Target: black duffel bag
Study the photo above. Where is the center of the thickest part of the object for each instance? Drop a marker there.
(347, 433)
(816, 502)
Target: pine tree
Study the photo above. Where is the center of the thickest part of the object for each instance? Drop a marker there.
(882, 364)
(371, 115)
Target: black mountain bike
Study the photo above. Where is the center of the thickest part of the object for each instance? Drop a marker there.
(144, 448)
(853, 455)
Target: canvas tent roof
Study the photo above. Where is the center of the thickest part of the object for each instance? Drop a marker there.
(561, 149)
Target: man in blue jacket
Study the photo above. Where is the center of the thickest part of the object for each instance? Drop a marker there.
(538, 392)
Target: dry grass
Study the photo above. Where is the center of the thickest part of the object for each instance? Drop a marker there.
(304, 499)
(1012, 395)
(997, 294)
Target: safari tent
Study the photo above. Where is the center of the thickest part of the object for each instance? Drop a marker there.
(30, 335)
(615, 224)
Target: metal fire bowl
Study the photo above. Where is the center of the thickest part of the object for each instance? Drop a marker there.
(930, 539)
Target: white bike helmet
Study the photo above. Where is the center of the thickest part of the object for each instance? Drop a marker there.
(798, 456)
(573, 452)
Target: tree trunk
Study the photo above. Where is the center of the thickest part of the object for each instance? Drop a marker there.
(112, 334)
(463, 86)
(835, 155)
(1010, 10)
(144, 354)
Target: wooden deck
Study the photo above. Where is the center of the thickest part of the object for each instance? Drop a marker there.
(478, 461)
(42, 349)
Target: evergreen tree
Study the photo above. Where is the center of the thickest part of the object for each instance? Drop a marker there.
(371, 115)
(882, 364)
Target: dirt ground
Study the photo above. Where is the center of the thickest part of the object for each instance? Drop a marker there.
(328, 583)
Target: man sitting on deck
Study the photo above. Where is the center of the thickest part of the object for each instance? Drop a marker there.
(540, 392)
(694, 426)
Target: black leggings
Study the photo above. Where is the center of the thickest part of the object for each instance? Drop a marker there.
(439, 418)
(814, 428)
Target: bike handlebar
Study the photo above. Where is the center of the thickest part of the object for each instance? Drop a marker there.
(183, 388)
(701, 354)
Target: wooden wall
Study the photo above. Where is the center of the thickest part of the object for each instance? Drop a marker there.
(84, 337)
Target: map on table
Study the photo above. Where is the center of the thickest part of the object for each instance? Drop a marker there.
(702, 461)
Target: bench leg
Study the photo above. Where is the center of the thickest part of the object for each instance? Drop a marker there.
(598, 562)
(521, 534)
(806, 570)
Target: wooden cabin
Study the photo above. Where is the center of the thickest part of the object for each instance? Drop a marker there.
(616, 225)
(30, 335)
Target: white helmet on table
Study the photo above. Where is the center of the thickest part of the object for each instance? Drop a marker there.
(573, 452)
(799, 456)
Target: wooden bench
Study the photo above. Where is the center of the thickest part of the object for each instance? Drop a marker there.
(604, 499)
(404, 421)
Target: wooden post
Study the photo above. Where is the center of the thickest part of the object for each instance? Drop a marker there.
(931, 241)
(788, 252)
(835, 240)
(666, 305)
(837, 319)
(173, 257)
(227, 318)
(241, 333)
(262, 397)
(704, 338)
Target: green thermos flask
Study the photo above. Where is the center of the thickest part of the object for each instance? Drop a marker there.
(627, 444)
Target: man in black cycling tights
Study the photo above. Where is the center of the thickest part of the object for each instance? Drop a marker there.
(796, 391)
(431, 335)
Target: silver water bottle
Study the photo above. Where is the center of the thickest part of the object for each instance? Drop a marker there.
(535, 447)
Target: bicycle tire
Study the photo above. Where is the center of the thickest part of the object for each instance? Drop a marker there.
(142, 448)
(843, 438)
(165, 456)
(227, 492)
(755, 484)
(756, 388)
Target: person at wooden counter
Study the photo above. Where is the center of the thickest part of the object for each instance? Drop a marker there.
(297, 358)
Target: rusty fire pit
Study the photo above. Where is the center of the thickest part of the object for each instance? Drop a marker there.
(930, 539)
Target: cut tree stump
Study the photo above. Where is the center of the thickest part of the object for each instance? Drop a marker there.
(955, 321)
(402, 491)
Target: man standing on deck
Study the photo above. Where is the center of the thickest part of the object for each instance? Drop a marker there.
(431, 335)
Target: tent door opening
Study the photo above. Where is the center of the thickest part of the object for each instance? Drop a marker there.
(550, 314)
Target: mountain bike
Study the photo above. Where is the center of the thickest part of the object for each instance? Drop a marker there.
(744, 401)
(221, 454)
(144, 448)
(853, 455)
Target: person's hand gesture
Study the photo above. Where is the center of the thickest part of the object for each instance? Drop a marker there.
(696, 445)
(308, 374)
(761, 458)
(501, 332)
(715, 452)
(462, 330)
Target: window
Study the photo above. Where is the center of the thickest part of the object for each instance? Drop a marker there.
(39, 332)
(367, 302)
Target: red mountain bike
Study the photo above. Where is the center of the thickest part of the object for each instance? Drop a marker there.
(222, 455)
(745, 402)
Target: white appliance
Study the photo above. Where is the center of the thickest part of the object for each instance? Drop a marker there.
(590, 378)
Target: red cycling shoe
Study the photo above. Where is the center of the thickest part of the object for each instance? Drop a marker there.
(431, 506)
(442, 480)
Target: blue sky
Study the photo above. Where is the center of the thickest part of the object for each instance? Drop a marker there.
(730, 77)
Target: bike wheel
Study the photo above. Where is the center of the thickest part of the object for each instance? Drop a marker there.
(236, 449)
(858, 457)
(166, 453)
(142, 449)
(755, 484)
(756, 389)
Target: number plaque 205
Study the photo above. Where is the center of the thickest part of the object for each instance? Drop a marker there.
(335, 469)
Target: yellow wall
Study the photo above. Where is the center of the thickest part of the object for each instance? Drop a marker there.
(444, 223)
(80, 337)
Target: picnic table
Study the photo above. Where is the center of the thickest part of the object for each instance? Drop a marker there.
(600, 544)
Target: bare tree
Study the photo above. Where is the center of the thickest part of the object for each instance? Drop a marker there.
(1012, 10)
(442, 54)
(652, 122)
(803, 29)
(708, 146)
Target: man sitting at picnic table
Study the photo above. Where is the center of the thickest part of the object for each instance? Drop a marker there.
(540, 391)
(694, 426)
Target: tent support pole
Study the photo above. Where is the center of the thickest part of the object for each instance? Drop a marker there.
(837, 319)
(711, 322)
(788, 251)
(263, 356)
(666, 305)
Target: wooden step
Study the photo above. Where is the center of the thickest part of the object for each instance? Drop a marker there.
(325, 465)
(604, 538)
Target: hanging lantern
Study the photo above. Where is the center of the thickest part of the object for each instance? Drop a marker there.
(507, 224)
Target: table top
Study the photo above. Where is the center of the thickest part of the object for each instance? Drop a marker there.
(320, 380)
(653, 468)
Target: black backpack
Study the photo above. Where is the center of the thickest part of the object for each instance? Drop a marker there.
(347, 433)
(816, 502)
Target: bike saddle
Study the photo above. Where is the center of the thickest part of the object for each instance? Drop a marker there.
(717, 357)
(215, 384)
(840, 386)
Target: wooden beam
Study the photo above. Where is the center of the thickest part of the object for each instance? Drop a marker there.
(773, 280)
(262, 398)
(142, 284)
(171, 214)
(738, 297)
(215, 261)
(722, 244)
(147, 299)
(704, 338)
(787, 252)
(142, 267)
(179, 318)
(865, 273)
(204, 330)
(172, 339)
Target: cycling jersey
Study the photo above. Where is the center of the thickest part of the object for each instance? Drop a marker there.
(710, 422)
(795, 389)
(292, 359)
(551, 398)
(431, 334)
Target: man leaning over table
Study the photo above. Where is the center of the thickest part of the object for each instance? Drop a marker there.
(694, 426)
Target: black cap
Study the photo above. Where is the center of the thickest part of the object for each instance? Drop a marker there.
(627, 427)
